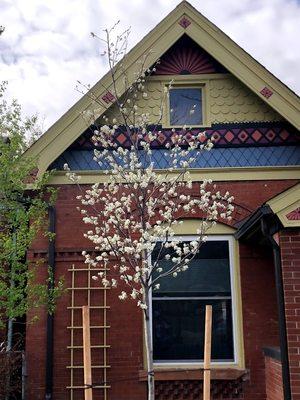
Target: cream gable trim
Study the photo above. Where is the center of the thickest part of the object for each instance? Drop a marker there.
(190, 226)
(71, 125)
(285, 203)
(197, 175)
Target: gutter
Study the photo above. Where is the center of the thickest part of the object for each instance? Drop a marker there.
(263, 222)
(247, 228)
(50, 317)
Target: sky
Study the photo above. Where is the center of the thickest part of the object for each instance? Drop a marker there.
(46, 46)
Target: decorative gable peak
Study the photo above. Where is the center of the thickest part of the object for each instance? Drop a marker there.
(187, 57)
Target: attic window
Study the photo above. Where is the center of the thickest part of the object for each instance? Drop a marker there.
(185, 106)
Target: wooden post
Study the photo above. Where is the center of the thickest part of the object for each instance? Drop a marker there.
(207, 353)
(88, 393)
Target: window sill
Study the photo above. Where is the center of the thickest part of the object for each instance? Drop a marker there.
(193, 374)
(189, 127)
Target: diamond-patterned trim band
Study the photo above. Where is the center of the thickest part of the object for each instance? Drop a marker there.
(223, 136)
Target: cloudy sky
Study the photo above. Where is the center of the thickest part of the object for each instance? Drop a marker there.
(47, 47)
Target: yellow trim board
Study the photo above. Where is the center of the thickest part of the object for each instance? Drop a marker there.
(284, 203)
(216, 174)
(71, 125)
(190, 226)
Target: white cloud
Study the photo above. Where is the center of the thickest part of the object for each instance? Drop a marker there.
(46, 47)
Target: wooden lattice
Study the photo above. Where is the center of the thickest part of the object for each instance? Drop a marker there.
(85, 291)
(192, 390)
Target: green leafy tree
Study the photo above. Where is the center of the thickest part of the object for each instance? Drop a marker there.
(24, 200)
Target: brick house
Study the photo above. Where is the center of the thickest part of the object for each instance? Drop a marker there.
(255, 122)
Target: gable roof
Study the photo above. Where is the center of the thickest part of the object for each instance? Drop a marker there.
(184, 19)
(286, 206)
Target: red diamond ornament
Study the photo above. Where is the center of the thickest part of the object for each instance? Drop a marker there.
(243, 136)
(256, 135)
(229, 136)
(108, 97)
(184, 22)
(266, 92)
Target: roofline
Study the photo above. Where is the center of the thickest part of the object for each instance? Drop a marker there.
(273, 208)
(206, 35)
(247, 226)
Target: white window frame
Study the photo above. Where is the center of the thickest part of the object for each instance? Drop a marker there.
(236, 323)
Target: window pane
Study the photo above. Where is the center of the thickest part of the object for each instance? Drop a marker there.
(186, 106)
(208, 273)
(178, 330)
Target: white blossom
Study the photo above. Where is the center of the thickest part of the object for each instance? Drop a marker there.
(132, 217)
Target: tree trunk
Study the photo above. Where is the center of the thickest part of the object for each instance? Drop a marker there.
(149, 353)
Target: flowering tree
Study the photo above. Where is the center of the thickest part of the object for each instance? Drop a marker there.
(139, 207)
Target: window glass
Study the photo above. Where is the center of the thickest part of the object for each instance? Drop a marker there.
(179, 330)
(186, 106)
(208, 273)
(178, 307)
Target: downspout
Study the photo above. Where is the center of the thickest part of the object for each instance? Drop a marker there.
(265, 227)
(50, 317)
(24, 376)
(10, 324)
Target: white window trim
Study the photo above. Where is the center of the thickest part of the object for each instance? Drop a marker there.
(234, 302)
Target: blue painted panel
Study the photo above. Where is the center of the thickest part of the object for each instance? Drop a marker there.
(216, 158)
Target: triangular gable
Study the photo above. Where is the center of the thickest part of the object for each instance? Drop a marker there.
(184, 19)
(286, 206)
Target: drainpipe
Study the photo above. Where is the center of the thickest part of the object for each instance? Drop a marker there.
(281, 309)
(10, 323)
(50, 317)
(24, 376)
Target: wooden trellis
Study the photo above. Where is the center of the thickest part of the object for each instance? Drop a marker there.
(85, 291)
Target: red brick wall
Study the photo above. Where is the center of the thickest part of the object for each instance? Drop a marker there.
(36, 348)
(274, 389)
(290, 257)
(125, 335)
(248, 196)
(260, 322)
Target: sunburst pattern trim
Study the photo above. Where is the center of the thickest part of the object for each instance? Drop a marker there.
(185, 57)
(294, 215)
